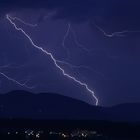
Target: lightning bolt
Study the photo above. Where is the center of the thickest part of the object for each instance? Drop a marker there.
(25, 23)
(76, 40)
(78, 44)
(53, 59)
(79, 67)
(64, 39)
(13, 80)
(73, 66)
(63, 44)
(118, 34)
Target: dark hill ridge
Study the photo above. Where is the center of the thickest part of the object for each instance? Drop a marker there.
(22, 104)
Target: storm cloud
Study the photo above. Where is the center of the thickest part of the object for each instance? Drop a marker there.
(81, 10)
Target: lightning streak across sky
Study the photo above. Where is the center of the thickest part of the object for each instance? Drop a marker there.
(73, 66)
(64, 40)
(77, 43)
(63, 44)
(15, 81)
(79, 67)
(116, 34)
(53, 59)
(25, 23)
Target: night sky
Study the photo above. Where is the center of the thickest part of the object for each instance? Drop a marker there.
(108, 65)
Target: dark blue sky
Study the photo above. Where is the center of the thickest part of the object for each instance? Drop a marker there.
(112, 64)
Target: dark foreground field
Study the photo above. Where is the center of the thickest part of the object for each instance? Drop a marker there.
(63, 129)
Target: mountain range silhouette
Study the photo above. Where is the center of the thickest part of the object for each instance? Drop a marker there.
(27, 105)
